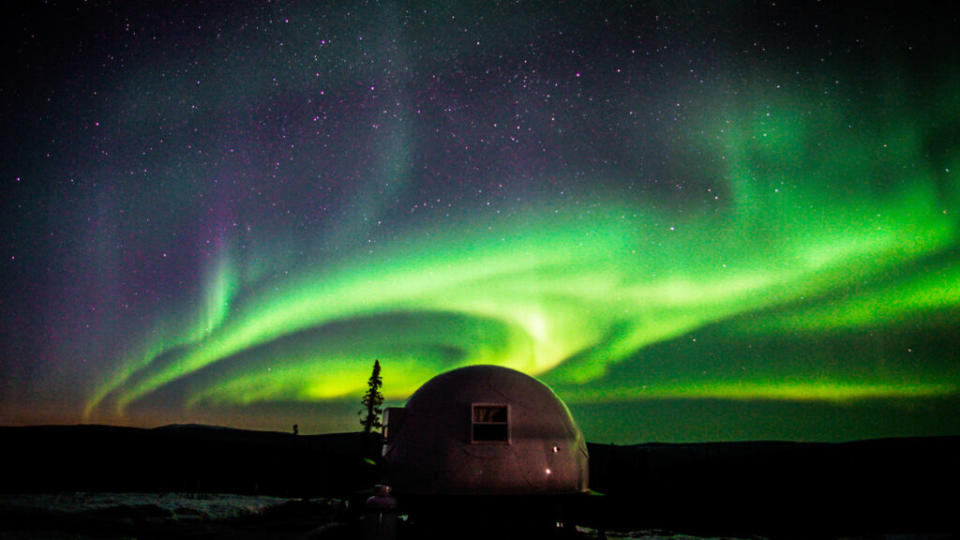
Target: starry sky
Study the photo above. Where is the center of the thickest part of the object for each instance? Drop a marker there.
(695, 221)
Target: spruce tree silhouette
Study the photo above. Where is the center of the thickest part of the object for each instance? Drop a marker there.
(372, 401)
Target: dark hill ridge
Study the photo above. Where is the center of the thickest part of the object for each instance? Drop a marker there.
(186, 458)
(872, 486)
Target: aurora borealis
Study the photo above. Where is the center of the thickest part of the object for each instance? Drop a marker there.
(739, 221)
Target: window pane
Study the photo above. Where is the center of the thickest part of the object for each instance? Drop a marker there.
(489, 413)
(490, 423)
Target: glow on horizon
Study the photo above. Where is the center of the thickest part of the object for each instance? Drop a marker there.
(772, 390)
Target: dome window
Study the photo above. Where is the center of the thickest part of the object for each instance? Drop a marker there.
(490, 423)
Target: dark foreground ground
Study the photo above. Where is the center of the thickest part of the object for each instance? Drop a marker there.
(88, 516)
(115, 516)
(96, 482)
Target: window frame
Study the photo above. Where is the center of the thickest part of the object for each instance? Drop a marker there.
(474, 423)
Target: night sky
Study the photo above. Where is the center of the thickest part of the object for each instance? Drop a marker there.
(694, 220)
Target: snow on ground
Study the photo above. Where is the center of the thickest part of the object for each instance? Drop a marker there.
(183, 514)
(150, 506)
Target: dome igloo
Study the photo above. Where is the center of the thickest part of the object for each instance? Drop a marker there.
(484, 430)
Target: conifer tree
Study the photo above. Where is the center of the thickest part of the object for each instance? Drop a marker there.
(372, 401)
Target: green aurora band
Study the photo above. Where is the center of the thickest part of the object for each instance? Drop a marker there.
(824, 220)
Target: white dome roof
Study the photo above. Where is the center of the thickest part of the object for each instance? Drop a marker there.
(485, 429)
